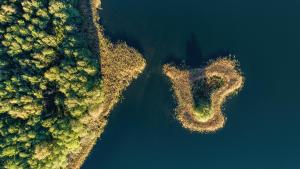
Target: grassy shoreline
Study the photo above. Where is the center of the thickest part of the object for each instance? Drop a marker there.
(120, 65)
(182, 81)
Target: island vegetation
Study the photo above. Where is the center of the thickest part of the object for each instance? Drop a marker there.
(201, 92)
(59, 79)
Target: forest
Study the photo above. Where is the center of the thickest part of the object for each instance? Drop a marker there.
(49, 80)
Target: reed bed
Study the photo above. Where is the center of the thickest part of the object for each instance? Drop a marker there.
(120, 65)
(182, 81)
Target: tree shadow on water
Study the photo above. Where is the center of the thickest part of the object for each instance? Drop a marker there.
(194, 55)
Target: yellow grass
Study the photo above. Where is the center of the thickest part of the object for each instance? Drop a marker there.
(120, 65)
(182, 81)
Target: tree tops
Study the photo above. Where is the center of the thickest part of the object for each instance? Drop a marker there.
(48, 81)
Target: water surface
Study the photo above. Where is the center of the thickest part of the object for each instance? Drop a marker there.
(262, 129)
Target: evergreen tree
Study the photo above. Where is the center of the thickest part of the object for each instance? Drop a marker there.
(48, 81)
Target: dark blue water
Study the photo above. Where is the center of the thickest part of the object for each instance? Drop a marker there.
(263, 120)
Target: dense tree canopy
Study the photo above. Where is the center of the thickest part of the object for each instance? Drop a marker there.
(49, 79)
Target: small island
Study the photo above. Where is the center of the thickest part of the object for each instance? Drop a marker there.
(201, 92)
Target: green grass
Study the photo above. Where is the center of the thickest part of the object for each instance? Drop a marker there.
(202, 111)
(202, 90)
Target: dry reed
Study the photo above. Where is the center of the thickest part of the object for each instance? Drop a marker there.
(182, 81)
(120, 65)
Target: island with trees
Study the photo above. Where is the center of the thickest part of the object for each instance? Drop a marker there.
(59, 79)
(201, 92)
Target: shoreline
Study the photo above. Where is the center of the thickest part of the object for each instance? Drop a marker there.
(182, 81)
(120, 65)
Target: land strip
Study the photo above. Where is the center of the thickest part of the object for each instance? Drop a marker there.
(120, 65)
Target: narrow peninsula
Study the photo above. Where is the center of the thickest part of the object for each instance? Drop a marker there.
(120, 65)
(201, 92)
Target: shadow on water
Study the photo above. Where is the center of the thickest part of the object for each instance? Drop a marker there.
(122, 37)
(194, 56)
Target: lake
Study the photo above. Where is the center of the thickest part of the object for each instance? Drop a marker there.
(263, 120)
